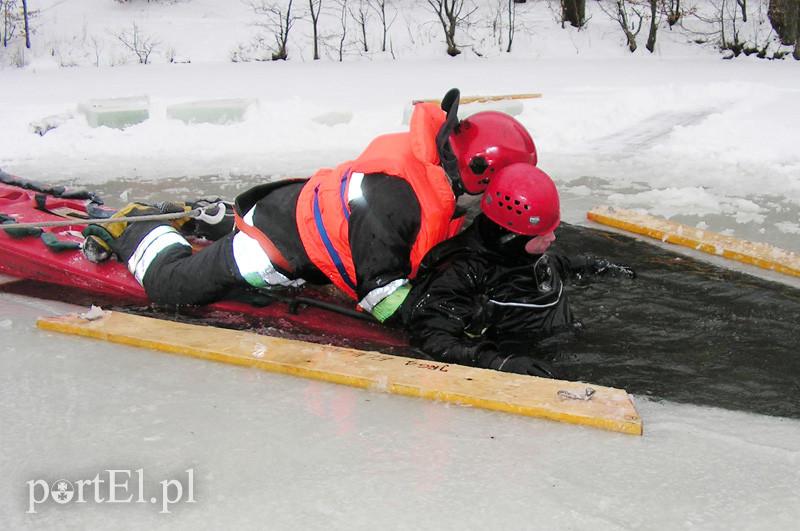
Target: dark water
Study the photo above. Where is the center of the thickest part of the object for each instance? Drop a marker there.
(684, 330)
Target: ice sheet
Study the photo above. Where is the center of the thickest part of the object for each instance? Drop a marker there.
(280, 452)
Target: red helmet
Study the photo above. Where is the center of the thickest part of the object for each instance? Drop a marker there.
(523, 199)
(486, 142)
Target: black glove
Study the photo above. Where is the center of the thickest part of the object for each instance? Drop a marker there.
(216, 221)
(602, 267)
(521, 364)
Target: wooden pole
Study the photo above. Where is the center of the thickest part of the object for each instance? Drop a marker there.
(485, 99)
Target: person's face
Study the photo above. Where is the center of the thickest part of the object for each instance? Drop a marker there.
(540, 244)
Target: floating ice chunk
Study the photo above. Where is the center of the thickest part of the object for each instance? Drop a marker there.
(94, 313)
(787, 227)
(334, 118)
(259, 351)
(117, 113)
(221, 112)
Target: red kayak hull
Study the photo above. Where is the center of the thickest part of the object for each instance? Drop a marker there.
(29, 258)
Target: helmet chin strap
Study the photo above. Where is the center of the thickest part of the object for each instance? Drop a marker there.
(449, 162)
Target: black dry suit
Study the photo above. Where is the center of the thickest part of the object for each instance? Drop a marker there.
(472, 295)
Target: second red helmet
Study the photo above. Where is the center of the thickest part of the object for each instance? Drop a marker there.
(523, 199)
(486, 142)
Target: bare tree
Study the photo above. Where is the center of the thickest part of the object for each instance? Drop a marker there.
(27, 27)
(630, 18)
(9, 20)
(342, 4)
(277, 18)
(360, 12)
(743, 6)
(314, 7)
(512, 23)
(140, 44)
(654, 20)
(672, 9)
(379, 6)
(451, 15)
(722, 17)
(97, 46)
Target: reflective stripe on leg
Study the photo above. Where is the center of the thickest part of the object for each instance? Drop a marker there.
(255, 266)
(153, 243)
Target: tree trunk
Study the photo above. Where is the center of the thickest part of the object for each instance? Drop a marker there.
(382, 14)
(5, 24)
(314, 24)
(574, 12)
(512, 15)
(452, 48)
(651, 36)
(784, 15)
(343, 36)
(316, 44)
(364, 36)
(673, 12)
(27, 28)
(743, 7)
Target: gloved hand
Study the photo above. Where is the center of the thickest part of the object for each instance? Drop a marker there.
(602, 267)
(520, 364)
(100, 240)
(216, 221)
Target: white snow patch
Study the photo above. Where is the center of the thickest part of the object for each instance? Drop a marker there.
(671, 201)
(787, 227)
(94, 313)
(259, 350)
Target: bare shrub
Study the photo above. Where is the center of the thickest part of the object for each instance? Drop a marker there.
(277, 18)
(138, 43)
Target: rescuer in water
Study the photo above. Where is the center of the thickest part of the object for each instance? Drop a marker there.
(495, 282)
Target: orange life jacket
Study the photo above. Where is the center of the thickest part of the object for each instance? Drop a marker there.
(323, 212)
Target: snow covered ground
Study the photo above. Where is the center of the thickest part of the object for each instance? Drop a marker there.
(680, 133)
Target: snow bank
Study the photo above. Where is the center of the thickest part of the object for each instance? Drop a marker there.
(679, 133)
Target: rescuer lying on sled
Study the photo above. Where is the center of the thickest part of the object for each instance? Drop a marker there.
(363, 226)
(495, 281)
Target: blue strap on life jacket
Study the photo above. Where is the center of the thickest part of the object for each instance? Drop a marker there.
(342, 192)
(334, 256)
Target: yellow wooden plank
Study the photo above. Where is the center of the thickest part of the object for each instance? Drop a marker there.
(608, 408)
(754, 253)
(484, 99)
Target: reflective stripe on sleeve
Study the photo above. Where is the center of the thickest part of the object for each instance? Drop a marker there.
(375, 296)
(153, 243)
(354, 191)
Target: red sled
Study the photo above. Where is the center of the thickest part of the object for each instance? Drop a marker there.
(49, 265)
